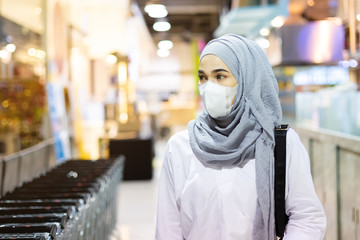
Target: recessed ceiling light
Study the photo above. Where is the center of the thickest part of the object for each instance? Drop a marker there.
(161, 26)
(156, 10)
(153, 7)
(165, 44)
(163, 52)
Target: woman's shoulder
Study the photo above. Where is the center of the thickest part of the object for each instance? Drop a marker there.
(179, 152)
(179, 137)
(295, 145)
(179, 145)
(292, 137)
(292, 133)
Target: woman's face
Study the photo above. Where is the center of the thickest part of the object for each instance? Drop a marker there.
(215, 70)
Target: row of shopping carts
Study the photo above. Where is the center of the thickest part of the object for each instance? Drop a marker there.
(74, 200)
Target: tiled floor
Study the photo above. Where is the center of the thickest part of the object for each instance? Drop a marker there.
(137, 204)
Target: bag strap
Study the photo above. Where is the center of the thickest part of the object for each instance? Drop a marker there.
(281, 219)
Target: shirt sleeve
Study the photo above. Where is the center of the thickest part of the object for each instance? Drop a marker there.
(307, 220)
(168, 216)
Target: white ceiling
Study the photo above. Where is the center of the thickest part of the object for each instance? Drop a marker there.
(23, 13)
(103, 21)
(104, 24)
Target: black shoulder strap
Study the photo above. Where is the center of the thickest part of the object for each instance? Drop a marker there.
(281, 219)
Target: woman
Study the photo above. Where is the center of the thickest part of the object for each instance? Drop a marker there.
(217, 177)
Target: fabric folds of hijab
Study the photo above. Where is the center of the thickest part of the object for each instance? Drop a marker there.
(248, 131)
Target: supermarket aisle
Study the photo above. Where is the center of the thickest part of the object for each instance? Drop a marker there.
(138, 203)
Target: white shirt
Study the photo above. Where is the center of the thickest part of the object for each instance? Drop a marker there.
(201, 203)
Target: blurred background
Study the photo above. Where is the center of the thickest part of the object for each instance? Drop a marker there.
(95, 79)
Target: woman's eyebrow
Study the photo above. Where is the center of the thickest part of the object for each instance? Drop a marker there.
(214, 71)
(219, 70)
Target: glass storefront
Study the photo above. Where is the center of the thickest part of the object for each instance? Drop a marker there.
(22, 75)
(320, 97)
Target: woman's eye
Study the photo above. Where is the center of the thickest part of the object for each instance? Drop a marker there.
(202, 78)
(220, 77)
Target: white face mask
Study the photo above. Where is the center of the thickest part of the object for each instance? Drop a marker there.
(217, 98)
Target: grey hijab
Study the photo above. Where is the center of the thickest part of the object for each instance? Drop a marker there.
(247, 132)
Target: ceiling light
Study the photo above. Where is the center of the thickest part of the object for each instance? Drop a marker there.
(4, 54)
(150, 7)
(278, 21)
(161, 26)
(163, 52)
(156, 11)
(11, 47)
(264, 32)
(111, 59)
(159, 14)
(165, 44)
